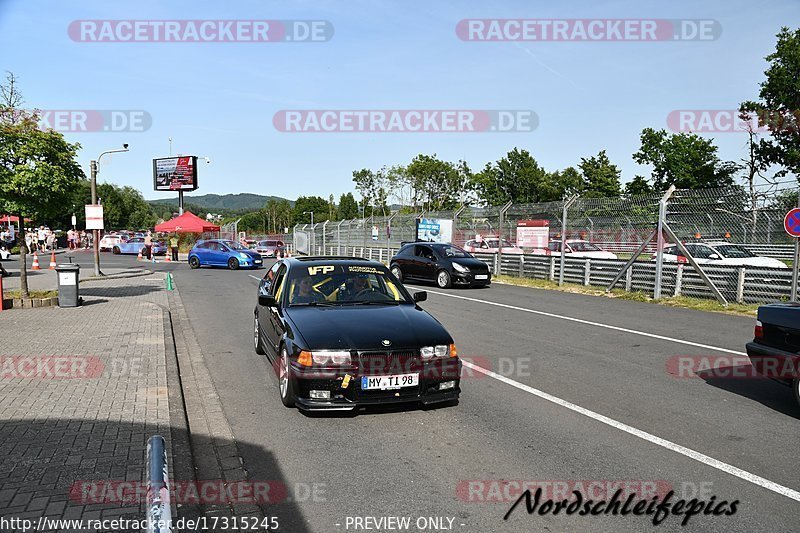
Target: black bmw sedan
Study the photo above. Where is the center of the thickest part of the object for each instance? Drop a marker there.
(343, 332)
(444, 264)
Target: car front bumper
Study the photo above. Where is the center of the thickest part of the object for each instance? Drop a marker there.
(431, 376)
(468, 278)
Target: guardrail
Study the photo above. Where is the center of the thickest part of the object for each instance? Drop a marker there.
(741, 284)
(159, 510)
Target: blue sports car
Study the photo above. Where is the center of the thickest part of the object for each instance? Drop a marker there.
(136, 244)
(219, 252)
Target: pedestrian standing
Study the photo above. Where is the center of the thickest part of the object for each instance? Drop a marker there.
(41, 236)
(148, 245)
(51, 240)
(173, 244)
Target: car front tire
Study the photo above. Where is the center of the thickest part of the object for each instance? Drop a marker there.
(116, 250)
(443, 280)
(285, 379)
(397, 272)
(194, 262)
(257, 337)
(796, 389)
(233, 263)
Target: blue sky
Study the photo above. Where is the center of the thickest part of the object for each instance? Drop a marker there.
(218, 99)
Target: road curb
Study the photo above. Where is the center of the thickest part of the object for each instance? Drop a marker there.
(214, 450)
(119, 276)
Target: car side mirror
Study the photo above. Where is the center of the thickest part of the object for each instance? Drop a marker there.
(420, 296)
(267, 300)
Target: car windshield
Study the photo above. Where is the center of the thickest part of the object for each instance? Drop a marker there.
(452, 251)
(338, 284)
(583, 246)
(233, 245)
(732, 251)
(493, 243)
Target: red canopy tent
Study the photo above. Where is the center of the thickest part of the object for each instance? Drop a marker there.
(188, 222)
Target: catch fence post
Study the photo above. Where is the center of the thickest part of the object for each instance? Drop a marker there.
(564, 215)
(662, 220)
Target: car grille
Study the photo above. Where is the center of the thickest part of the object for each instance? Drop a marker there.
(388, 363)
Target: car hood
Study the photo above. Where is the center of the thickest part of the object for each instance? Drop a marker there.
(471, 263)
(251, 253)
(594, 255)
(364, 327)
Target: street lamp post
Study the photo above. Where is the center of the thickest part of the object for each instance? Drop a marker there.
(96, 233)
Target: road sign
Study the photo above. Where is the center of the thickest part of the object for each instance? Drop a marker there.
(94, 216)
(792, 222)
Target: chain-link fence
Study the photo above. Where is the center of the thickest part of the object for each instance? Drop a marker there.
(713, 243)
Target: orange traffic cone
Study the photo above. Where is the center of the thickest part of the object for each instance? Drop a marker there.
(52, 261)
(139, 256)
(35, 265)
(166, 257)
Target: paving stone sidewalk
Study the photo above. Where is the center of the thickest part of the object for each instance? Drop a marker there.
(81, 391)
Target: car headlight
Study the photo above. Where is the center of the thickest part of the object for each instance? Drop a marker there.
(460, 268)
(244, 255)
(440, 350)
(328, 357)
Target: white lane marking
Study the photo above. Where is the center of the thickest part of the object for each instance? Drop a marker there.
(677, 448)
(254, 277)
(590, 323)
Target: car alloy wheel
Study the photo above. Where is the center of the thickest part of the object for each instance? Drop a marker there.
(284, 380)
(233, 263)
(396, 272)
(194, 262)
(443, 279)
(257, 337)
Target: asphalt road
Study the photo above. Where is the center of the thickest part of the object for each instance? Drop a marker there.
(606, 356)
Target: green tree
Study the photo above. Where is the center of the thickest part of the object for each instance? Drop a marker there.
(601, 177)
(779, 105)
(685, 160)
(561, 184)
(306, 204)
(38, 168)
(348, 208)
(517, 177)
(638, 185)
(439, 183)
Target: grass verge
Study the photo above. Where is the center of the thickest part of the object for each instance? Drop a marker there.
(8, 295)
(678, 301)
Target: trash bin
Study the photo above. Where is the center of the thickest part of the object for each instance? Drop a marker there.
(68, 285)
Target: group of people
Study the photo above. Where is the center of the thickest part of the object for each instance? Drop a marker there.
(41, 239)
(79, 239)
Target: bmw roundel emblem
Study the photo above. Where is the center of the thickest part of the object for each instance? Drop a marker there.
(386, 342)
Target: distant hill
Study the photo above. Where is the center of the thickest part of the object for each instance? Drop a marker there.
(226, 202)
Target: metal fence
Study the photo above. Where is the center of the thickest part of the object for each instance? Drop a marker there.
(633, 228)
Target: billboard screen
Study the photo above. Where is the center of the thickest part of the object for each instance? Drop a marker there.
(434, 230)
(175, 173)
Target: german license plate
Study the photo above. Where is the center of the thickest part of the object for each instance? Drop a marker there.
(389, 382)
(481, 276)
(257, 261)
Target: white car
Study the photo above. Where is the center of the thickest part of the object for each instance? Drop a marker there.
(577, 248)
(110, 240)
(720, 253)
(490, 245)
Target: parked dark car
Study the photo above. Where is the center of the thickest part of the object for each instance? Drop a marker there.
(343, 332)
(444, 264)
(775, 350)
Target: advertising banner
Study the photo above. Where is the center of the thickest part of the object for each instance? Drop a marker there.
(434, 230)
